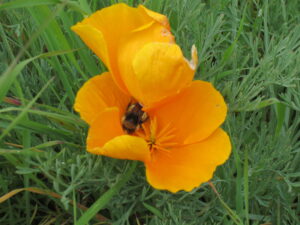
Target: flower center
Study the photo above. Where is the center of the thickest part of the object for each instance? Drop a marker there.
(161, 139)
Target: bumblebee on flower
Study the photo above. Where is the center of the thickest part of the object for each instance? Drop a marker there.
(147, 107)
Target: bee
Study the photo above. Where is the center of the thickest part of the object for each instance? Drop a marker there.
(133, 118)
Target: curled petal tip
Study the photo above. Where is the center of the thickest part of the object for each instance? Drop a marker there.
(194, 55)
(194, 58)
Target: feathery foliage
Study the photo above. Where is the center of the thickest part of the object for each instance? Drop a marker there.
(250, 50)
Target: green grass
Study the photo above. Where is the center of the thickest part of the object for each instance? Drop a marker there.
(250, 50)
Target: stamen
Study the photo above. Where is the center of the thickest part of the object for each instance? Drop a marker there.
(162, 150)
(166, 139)
(146, 131)
(153, 127)
(169, 144)
(166, 131)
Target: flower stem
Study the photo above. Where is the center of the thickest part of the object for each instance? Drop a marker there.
(230, 212)
(105, 198)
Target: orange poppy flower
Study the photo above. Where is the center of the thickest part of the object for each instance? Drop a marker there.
(178, 139)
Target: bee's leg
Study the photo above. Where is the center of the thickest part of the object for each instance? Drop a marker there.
(137, 128)
(144, 117)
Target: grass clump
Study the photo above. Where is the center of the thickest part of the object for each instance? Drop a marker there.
(248, 49)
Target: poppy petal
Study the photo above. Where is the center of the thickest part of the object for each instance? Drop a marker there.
(131, 44)
(194, 114)
(105, 127)
(187, 167)
(162, 19)
(127, 147)
(94, 39)
(105, 30)
(97, 94)
(106, 137)
(160, 70)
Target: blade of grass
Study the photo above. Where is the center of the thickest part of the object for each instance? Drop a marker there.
(280, 115)
(33, 37)
(37, 127)
(9, 76)
(61, 118)
(24, 112)
(25, 3)
(265, 26)
(55, 39)
(31, 150)
(154, 210)
(155, 5)
(228, 52)
(246, 187)
(104, 199)
(45, 192)
(85, 6)
(5, 42)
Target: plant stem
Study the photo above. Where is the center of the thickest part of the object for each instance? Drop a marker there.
(105, 198)
(230, 212)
